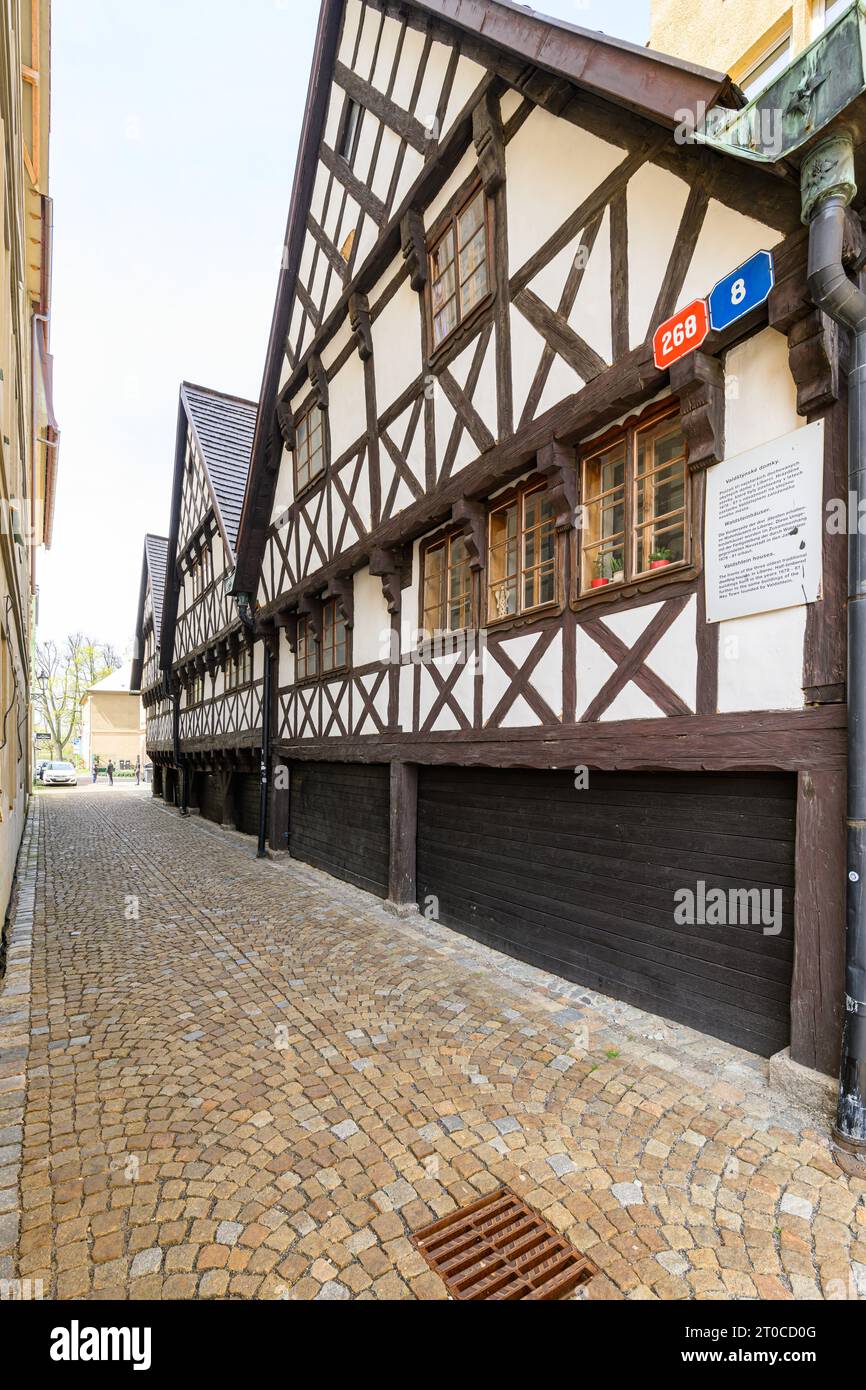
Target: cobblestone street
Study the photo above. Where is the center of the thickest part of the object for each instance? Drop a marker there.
(241, 1079)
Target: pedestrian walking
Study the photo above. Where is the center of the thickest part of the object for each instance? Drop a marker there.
(110, 771)
(95, 772)
(138, 772)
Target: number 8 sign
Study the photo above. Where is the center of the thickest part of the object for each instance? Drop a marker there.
(680, 335)
(741, 291)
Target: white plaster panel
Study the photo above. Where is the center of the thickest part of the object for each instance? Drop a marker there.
(527, 347)
(594, 667)
(656, 201)
(407, 71)
(510, 103)
(761, 661)
(388, 41)
(347, 409)
(675, 655)
(761, 397)
(366, 240)
(632, 703)
(466, 80)
(406, 701)
(552, 167)
(366, 143)
(590, 316)
(431, 87)
(546, 677)
(367, 48)
(332, 350)
(397, 346)
(383, 173)
(371, 632)
(727, 238)
(351, 20)
(413, 163)
(409, 604)
(459, 177)
(629, 625)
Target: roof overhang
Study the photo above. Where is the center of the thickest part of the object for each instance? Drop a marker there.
(821, 90)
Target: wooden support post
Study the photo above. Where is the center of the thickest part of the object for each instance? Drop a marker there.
(230, 817)
(278, 829)
(818, 982)
(402, 893)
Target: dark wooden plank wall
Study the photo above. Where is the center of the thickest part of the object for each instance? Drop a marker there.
(581, 883)
(247, 802)
(339, 821)
(209, 795)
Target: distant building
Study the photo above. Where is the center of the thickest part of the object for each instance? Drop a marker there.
(28, 429)
(757, 39)
(112, 726)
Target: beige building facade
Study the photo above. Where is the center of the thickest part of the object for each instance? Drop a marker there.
(112, 727)
(751, 40)
(28, 430)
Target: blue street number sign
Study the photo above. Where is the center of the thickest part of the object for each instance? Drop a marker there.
(740, 291)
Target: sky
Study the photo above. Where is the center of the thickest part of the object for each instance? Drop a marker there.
(174, 131)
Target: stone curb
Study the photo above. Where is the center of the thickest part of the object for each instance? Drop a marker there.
(15, 999)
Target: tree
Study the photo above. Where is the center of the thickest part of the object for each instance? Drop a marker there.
(63, 673)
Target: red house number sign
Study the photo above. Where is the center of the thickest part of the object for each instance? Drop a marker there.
(681, 334)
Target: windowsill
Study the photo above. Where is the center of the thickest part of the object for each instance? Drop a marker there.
(529, 615)
(608, 594)
(460, 335)
(309, 488)
(322, 676)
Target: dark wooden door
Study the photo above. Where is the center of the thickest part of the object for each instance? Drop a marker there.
(338, 821)
(582, 883)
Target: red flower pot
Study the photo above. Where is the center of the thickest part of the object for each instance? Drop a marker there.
(659, 564)
(598, 583)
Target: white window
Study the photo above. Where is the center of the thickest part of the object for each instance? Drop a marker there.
(772, 61)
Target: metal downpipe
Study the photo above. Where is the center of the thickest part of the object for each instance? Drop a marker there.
(828, 187)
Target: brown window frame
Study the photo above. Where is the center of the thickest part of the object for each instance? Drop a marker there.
(517, 496)
(448, 225)
(306, 638)
(332, 620)
(627, 435)
(444, 541)
(301, 419)
(347, 154)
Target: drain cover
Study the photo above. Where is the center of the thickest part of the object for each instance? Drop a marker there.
(499, 1248)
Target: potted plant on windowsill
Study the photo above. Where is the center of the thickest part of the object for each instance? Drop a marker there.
(661, 558)
(611, 563)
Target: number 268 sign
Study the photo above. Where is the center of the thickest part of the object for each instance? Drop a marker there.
(681, 334)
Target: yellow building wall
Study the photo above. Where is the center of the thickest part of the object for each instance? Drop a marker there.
(111, 727)
(730, 35)
(24, 127)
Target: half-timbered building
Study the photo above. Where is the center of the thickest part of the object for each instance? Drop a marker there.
(148, 675)
(207, 653)
(474, 530)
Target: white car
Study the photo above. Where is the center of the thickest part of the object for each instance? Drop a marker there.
(59, 775)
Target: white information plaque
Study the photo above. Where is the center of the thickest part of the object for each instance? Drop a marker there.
(762, 529)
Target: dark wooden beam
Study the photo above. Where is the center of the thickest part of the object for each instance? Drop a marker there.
(403, 833)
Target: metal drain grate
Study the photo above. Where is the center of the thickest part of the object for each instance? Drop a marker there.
(499, 1248)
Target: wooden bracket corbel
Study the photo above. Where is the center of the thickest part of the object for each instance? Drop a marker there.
(471, 517)
(342, 589)
(285, 424)
(556, 463)
(817, 349)
(413, 244)
(286, 621)
(489, 140)
(394, 568)
(318, 381)
(553, 93)
(699, 382)
(359, 317)
(310, 607)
